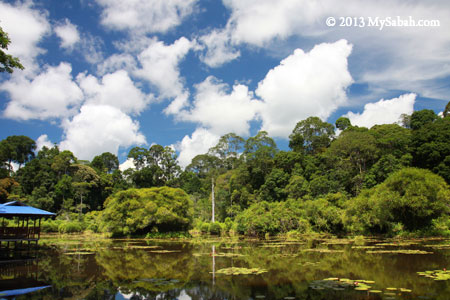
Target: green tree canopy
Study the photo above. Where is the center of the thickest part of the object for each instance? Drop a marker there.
(410, 197)
(137, 211)
(18, 149)
(106, 162)
(311, 135)
(422, 117)
(7, 61)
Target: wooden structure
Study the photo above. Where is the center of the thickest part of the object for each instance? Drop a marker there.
(26, 225)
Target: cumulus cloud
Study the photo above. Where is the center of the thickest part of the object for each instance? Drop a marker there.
(218, 48)
(160, 66)
(26, 27)
(116, 89)
(389, 59)
(259, 21)
(220, 110)
(51, 94)
(128, 164)
(43, 141)
(145, 16)
(198, 143)
(100, 128)
(304, 85)
(383, 111)
(121, 61)
(68, 33)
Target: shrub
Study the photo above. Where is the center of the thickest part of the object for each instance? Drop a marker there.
(215, 228)
(70, 227)
(408, 200)
(136, 211)
(49, 225)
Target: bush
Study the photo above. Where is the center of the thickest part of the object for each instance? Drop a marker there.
(204, 227)
(137, 211)
(215, 228)
(70, 227)
(49, 225)
(408, 200)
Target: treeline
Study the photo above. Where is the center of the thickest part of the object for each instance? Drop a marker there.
(389, 179)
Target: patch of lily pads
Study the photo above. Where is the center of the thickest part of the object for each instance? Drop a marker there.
(343, 284)
(322, 250)
(403, 251)
(165, 251)
(241, 271)
(79, 253)
(438, 275)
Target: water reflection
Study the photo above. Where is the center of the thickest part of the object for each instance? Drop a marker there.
(137, 269)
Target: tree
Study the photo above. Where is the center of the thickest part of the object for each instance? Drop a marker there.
(7, 62)
(85, 179)
(138, 211)
(350, 156)
(343, 123)
(105, 163)
(228, 150)
(139, 156)
(410, 199)
(62, 162)
(447, 110)
(431, 147)
(259, 153)
(422, 117)
(18, 149)
(311, 135)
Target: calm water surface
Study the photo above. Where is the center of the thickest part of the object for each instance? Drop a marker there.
(146, 269)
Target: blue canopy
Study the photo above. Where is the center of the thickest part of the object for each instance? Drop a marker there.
(9, 293)
(16, 208)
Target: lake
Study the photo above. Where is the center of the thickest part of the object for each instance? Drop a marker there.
(316, 268)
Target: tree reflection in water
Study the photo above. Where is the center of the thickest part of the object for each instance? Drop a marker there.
(189, 270)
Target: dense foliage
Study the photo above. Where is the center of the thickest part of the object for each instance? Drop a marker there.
(388, 179)
(137, 211)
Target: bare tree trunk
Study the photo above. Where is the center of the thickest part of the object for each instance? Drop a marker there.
(212, 199)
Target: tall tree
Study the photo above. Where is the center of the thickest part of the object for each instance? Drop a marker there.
(18, 149)
(422, 117)
(106, 162)
(7, 61)
(311, 135)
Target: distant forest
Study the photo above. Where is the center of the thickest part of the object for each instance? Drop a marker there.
(391, 179)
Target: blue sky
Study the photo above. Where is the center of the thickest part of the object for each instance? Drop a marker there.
(107, 75)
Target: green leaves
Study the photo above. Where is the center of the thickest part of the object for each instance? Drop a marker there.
(135, 211)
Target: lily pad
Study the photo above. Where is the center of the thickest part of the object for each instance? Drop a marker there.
(241, 271)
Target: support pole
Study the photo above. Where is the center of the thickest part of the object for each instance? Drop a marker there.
(212, 199)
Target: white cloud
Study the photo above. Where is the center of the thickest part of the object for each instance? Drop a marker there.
(128, 164)
(383, 111)
(116, 89)
(100, 128)
(115, 62)
(42, 141)
(259, 21)
(304, 85)
(145, 16)
(218, 48)
(26, 27)
(51, 94)
(221, 111)
(160, 66)
(405, 58)
(91, 48)
(68, 33)
(199, 143)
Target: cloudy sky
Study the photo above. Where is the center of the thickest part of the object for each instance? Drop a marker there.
(107, 75)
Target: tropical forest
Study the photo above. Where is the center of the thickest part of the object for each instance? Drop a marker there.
(340, 179)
